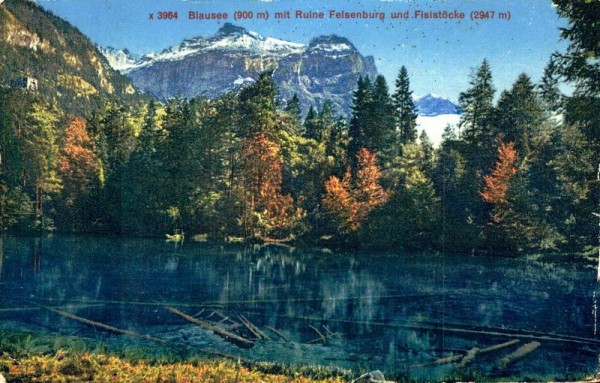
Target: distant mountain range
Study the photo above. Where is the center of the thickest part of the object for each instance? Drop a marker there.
(433, 105)
(325, 69)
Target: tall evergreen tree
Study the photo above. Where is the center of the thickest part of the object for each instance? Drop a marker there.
(519, 115)
(580, 64)
(311, 124)
(358, 128)
(477, 106)
(382, 133)
(405, 110)
(548, 88)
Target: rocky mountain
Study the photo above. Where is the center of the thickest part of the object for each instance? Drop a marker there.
(50, 57)
(119, 59)
(434, 105)
(325, 69)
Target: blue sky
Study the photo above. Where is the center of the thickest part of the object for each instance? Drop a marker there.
(439, 54)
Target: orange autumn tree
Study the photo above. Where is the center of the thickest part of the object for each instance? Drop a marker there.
(349, 202)
(266, 212)
(498, 182)
(507, 226)
(78, 168)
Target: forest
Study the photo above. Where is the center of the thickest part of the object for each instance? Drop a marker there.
(520, 173)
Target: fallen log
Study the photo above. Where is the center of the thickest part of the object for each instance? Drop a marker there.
(279, 333)
(322, 337)
(469, 357)
(440, 361)
(519, 353)
(253, 329)
(102, 325)
(236, 339)
(499, 346)
(472, 353)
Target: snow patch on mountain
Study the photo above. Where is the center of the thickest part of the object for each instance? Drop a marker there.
(229, 38)
(119, 59)
(435, 105)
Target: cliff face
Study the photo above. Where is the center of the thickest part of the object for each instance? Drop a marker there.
(326, 69)
(64, 64)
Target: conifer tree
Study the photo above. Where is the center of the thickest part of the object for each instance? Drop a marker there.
(548, 88)
(311, 124)
(358, 129)
(519, 115)
(405, 110)
(477, 106)
(382, 138)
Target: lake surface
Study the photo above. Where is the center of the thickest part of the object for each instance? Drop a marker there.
(391, 312)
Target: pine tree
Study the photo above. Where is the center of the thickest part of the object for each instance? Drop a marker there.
(519, 115)
(405, 110)
(258, 107)
(293, 108)
(477, 106)
(548, 88)
(580, 64)
(382, 138)
(358, 128)
(311, 124)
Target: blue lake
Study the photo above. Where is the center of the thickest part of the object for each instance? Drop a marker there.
(391, 312)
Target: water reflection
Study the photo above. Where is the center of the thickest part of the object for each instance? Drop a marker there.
(390, 311)
(1, 255)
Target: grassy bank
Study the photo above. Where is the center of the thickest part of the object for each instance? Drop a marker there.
(66, 366)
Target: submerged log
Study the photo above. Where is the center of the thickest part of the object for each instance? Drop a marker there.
(102, 325)
(320, 334)
(440, 361)
(469, 357)
(253, 329)
(499, 346)
(472, 353)
(520, 353)
(236, 339)
(279, 333)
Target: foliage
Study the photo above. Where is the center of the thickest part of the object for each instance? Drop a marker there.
(86, 367)
(350, 201)
(405, 111)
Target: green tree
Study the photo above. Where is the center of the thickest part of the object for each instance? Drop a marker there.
(382, 135)
(405, 110)
(477, 106)
(358, 129)
(519, 115)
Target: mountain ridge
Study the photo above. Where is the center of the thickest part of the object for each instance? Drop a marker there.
(325, 69)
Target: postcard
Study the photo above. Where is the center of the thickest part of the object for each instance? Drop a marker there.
(299, 190)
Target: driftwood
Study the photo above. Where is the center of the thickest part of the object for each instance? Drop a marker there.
(279, 333)
(320, 334)
(236, 339)
(499, 346)
(102, 325)
(472, 353)
(520, 353)
(469, 356)
(440, 361)
(253, 329)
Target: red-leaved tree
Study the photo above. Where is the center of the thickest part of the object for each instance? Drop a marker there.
(350, 201)
(266, 211)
